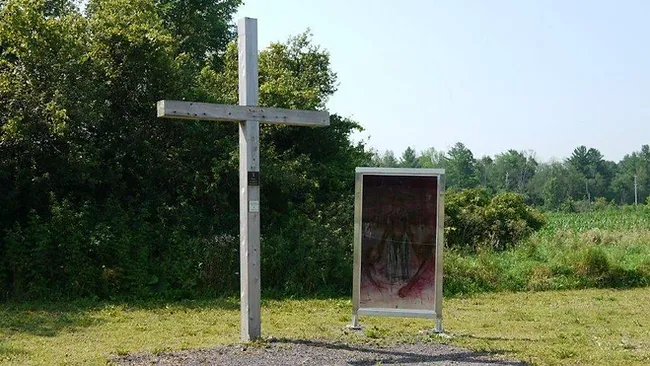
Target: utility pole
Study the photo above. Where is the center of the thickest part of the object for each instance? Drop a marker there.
(507, 176)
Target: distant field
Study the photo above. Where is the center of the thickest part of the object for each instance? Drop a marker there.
(622, 220)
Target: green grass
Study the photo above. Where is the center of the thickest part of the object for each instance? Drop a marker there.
(554, 327)
(566, 260)
(574, 251)
(604, 327)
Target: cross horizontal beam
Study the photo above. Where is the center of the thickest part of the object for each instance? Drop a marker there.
(235, 113)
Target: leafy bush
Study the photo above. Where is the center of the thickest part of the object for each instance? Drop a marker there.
(601, 203)
(594, 264)
(473, 219)
(297, 259)
(464, 221)
(510, 220)
(85, 252)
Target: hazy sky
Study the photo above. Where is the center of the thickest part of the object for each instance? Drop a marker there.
(526, 75)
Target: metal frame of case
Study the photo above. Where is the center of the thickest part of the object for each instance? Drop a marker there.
(436, 311)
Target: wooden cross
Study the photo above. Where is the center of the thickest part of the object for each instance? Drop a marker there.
(249, 116)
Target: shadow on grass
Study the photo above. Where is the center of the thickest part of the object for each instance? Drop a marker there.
(390, 356)
(48, 319)
(42, 323)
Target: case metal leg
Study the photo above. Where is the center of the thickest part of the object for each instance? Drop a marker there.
(355, 323)
(438, 326)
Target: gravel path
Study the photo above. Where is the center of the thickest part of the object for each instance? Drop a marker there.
(297, 352)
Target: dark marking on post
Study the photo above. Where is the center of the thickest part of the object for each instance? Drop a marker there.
(253, 178)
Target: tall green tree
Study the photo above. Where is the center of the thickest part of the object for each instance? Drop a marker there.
(431, 158)
(409, 159)
(581, 160)
(597, 172)
(461, 168)
(385, 160)
(512, 171)
(636, 164)
(201, 28)
(485, 166)
(555, 184)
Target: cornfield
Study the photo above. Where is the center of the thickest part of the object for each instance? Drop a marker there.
(623, 220)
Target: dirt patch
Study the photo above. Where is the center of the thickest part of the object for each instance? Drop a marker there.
(300, 352)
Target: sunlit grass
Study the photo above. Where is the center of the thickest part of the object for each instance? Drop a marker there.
(604, 327)
(555, 327)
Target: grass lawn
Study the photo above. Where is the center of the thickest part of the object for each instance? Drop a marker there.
(554, 327)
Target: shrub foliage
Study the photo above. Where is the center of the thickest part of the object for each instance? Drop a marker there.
(475, 220)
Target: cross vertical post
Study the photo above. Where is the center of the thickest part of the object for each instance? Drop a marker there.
(249, 116)
(249, 196)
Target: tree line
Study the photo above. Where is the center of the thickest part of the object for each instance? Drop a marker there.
(577, 182)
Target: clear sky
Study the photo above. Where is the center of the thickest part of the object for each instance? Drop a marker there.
(496, 75)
